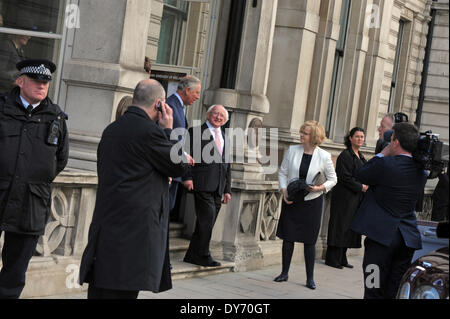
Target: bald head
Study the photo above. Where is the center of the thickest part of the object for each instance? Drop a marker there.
(147, 92)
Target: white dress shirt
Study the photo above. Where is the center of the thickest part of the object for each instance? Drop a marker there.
(213, 130)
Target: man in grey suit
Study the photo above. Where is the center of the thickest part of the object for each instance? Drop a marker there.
(188, 92)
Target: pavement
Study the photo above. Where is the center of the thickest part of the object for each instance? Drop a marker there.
(331, 283)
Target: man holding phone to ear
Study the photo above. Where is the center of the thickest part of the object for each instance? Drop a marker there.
(127, 249)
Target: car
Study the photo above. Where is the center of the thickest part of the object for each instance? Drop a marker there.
(427, 277)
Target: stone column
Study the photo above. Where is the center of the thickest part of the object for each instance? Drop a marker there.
(295, 36)
(104, 61)
(371, 87)
(236, 231)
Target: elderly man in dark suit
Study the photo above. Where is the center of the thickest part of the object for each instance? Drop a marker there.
(127, 249)
(188, 91)
(210, 180)
(386, 216)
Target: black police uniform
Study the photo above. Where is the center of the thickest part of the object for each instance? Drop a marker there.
(34, 150)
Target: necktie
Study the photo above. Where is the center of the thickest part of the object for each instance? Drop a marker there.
(217, 134)
(30, 108)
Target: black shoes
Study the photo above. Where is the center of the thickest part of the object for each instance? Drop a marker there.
(334, 265)
(348, 266)
(205, 262)
(281, 278)
(310, 284)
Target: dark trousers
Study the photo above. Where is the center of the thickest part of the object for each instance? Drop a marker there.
(173, 190)
(100, 293)
(392, 262)
(16, 254)
(207, 207)
(336, 256)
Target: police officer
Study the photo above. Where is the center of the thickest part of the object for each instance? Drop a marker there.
(34, 148)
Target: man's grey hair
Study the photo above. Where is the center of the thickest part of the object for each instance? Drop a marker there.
(211, 108)
(147, 92)
(189, 81)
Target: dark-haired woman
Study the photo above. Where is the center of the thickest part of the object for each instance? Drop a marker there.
(345, 200)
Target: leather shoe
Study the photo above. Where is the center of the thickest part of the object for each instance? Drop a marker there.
(213, 263)
(334, 265)
(348, 266)
(281, 278)
(202, 262)
(310, 284)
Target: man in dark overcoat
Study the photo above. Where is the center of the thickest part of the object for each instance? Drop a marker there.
(209, 180)
(34, 149)
(127, 249)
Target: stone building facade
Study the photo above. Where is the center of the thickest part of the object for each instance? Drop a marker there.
(272, 63)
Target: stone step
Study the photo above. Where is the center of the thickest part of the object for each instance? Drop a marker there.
(175, 230)
(182, 270)
(178, 248)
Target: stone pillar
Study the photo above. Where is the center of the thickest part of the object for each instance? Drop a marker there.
(103, 61)
(371, 88)
(322, 68)
(296, 28)
(236, 228)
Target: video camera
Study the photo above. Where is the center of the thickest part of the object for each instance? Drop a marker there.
(430, 154)
(430, 150)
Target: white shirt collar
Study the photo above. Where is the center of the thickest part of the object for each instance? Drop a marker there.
(25, 103)
(212, 128)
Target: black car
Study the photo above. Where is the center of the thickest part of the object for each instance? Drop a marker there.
(427, 278)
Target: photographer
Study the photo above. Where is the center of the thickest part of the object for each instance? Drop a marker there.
(386, 216)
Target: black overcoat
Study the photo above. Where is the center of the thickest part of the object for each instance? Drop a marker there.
(28, 164)
(127, 247)
(345, 200)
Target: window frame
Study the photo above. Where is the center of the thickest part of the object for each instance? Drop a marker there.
(52, 36)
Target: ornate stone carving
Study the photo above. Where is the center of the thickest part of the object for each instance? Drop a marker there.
(58, 232)
(249, 217)
(270, 216)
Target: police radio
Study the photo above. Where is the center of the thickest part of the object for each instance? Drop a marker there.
(53, 131)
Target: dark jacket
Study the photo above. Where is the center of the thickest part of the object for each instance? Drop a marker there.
(28, 165)
(208, 176)
(345, 200)
(127, 247)
(179, 118)
(395, 184)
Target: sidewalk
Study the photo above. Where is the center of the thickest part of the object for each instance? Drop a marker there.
(331, 283)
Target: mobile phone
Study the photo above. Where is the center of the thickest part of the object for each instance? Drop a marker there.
(159, 106)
